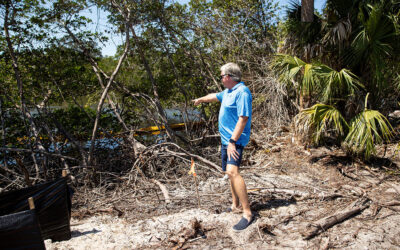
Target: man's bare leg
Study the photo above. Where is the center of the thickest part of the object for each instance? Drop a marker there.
(236, 207)
(238, 188)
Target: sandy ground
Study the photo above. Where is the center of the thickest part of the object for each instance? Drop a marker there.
(290, 188)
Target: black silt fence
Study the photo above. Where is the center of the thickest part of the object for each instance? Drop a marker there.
(52, 204)
(20, 231)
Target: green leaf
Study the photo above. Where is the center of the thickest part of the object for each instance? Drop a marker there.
(367, 129)
(319, 121)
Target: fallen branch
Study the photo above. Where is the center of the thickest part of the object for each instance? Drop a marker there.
(295, 193)
(164, 190)
(207, 166)
(152, 149)
(209, 163)
(323, 224)
(24, 170)
(391, 203)
(188, 233)
(88, 213)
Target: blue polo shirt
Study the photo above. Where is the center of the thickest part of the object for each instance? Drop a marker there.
(235, 102)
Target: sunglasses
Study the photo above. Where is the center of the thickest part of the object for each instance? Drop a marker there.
(222, 76)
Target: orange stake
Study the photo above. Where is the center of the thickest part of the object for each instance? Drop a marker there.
(192, 171)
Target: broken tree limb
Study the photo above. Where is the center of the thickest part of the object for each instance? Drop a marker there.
(195, 228)
(303, 195)
(164, 190)
(391, 203)
(207, 162)
(23, 170)
(153, 150)
(323, 224)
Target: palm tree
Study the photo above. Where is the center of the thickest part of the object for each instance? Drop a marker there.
(307, 11)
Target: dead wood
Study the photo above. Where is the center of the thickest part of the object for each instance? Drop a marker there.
(164, 190)
(391, 203)
(266, 227)
(88, 212)
(188, 233)
(209, 163)
(163, 149)
(24, 170)
(296, 193)
(353, 189)
(323, 224)
(324, 244)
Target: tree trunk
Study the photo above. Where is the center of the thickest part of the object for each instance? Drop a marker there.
(17, 73)
(307, 11)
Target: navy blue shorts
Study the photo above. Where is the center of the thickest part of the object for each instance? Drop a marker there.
(224, 156)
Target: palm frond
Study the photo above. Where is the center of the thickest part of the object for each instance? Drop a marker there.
(338, 34)
(372, 43)
(309, 79)
(337, 84)
(340, 8)
(287, 68)
(367, 129)
(319, 121)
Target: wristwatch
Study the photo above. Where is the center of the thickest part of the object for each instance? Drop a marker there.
(232, 141)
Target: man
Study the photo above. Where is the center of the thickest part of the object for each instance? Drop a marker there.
(234, 127)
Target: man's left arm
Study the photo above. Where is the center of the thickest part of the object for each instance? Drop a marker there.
(231, 150)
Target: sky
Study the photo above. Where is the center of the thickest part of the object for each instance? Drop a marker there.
(318, 4)
(109, 48)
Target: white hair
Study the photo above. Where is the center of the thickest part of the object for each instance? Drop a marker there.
(233, 70)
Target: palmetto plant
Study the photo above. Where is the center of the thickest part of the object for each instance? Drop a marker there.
(326, 118)
(319, 121)
(367, 129)
(361, 35)
(315, 79)
(359, 43)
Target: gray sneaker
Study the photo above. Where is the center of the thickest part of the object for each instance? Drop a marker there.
(243, 224)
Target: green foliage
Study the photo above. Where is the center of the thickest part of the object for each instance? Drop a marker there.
(315, 79)
(367, 129)
(321, 120)
(336, 85)
(79, 122)
(300, 38)
(358, 52)
(361, 36)
(15, 127)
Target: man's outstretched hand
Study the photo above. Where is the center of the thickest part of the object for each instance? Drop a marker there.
(196, 102)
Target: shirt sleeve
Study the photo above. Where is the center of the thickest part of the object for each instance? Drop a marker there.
(220, 95)
(244, 104)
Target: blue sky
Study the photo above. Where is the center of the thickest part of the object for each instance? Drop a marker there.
(318, 4)
(109, 48)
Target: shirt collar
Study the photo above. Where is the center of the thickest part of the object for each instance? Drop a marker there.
(237, 85)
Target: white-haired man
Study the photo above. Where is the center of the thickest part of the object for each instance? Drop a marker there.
(234, 127)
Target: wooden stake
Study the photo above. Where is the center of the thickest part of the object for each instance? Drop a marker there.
(197, 190)
(31, 203)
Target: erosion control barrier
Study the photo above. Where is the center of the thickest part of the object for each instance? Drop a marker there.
(20, 231)
(52, 205)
